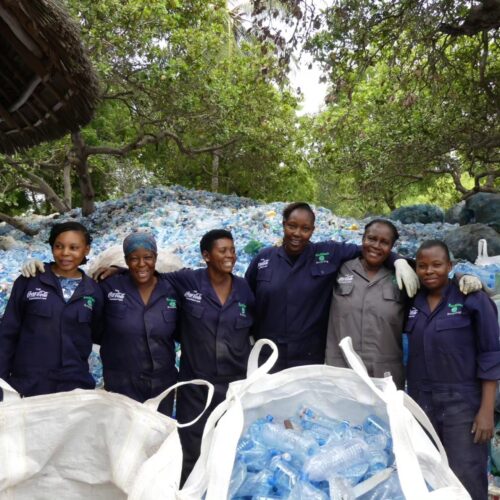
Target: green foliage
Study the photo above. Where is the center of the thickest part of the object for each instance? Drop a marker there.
(413, 113)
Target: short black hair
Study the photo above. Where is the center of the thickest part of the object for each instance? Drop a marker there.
(62, 227)
(207, 240)
(434, 243)
(388, 223)
(298, 205)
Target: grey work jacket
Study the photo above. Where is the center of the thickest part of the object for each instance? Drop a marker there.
(372, 313)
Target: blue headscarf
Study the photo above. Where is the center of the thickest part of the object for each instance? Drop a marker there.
(137, 240)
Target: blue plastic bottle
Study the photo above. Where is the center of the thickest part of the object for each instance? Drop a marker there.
(255, 484)
(237, 477)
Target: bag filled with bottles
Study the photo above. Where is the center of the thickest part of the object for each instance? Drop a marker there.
(319, 432)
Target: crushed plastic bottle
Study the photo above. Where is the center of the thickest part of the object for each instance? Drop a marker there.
(337, 459)
(285, 440)
(286, 460)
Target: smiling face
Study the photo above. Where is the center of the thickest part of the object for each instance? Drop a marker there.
(433, 267)
(298, 229)
(377, 244)
(69, 250)
(222, 256)
(141, 264)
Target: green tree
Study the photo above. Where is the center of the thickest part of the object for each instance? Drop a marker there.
(182, 101)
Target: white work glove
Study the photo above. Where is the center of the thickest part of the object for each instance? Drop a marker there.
(31, 267)
(469, 284)
(407, 276)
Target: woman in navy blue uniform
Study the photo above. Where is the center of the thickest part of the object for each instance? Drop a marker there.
(215, 317)
(51, 320)
(140, 313)
(454, 365)
(293, 286)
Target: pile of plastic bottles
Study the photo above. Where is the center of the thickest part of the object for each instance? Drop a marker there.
(316, 457)
(489, 274)
(179, 217)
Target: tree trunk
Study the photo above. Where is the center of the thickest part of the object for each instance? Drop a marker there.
(67, 185)
(80, 160)
(17, 224)
(215, 170)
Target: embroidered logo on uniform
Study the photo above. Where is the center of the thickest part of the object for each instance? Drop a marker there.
(89, 302)
(347, 278)
(116, 296)
(455, 309)
(38, 294)
(322, 257)
(413, 312)
(243, 309)
(171, 303)
(263, 263)
(193, 296)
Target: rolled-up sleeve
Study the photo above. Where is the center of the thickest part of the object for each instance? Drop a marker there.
(487, 335)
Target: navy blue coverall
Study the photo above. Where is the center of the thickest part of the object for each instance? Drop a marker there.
(45, 342)
(292, 298)
(138, 344)
(215, 341)
(451, 350)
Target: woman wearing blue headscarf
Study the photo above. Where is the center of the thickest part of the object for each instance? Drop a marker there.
(140, 312)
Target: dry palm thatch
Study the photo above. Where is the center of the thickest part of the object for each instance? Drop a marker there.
(47, 84)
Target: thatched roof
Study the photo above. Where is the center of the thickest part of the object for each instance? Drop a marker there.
(47, 84)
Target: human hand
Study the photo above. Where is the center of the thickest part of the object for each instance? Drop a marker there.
(406, 276)
(483, 426)
(469, 284)
(104, 272)
(31, 267)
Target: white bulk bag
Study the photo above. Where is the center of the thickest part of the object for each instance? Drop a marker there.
(88, 444)
(339, 392)
(482, 255)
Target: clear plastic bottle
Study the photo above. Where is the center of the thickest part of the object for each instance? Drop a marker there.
(379, 459)
(303, 489)
(257, 457)
(285, 475)
(338, 427)
(340, 489)
(390, 489)
(335, 459)
(373, 424)
(256, 484)
(237, 477)
(275, 436)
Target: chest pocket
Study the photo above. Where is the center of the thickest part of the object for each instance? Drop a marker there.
(194, 310)
(264, 274)
(116, 310)
(392, 293)
(169, 315)
(84, 315)
(453, 323)
(243, 322)
(323, 269)
(39, 308)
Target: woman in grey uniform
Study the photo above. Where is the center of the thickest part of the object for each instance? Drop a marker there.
(368, 306)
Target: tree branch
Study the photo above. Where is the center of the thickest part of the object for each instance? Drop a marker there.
(146, 139)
